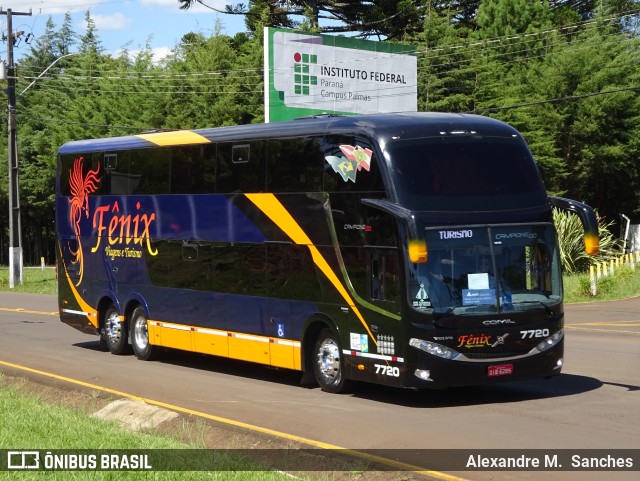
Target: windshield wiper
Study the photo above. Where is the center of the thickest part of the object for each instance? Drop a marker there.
(440, 315)
(547, 308)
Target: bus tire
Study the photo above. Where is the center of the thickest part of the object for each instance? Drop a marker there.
(103, 344)
(142, 348)
(115, 331)
(328, 367)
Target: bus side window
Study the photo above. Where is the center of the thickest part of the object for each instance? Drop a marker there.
(383, 267)
(191, 171)
(189, 252)
(350, 165)
(294, 165)
(240, 268)
(373, 272)
(241, 167)
(149, 171)
(291, 273)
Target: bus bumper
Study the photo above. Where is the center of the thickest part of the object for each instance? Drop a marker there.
(431, 372)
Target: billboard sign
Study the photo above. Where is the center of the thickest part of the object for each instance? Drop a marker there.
(307, 74)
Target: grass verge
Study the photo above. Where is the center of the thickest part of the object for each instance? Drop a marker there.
(624, 284)
(30, 422)
(35, 280)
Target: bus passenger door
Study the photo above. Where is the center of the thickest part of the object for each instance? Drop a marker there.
(281, 346)
(373, 272)
(279, 284)
(294, 291)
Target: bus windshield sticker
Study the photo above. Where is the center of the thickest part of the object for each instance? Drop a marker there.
(422, 299)
(355, 159)
(471, 297)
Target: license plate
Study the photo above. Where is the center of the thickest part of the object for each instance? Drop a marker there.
(501, 370)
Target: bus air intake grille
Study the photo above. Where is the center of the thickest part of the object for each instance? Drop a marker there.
(491, 355)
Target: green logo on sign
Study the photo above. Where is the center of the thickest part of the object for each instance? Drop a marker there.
(302, 79)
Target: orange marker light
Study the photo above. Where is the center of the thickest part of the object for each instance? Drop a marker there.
(592, 244)
(418, 251)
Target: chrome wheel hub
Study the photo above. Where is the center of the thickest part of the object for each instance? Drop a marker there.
(141, 337)
(329, 360)
(113, 327)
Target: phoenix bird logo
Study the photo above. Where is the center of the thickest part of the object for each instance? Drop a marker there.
(80, 186)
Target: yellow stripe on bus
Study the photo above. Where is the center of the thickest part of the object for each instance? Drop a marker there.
(92, 314)
(271, 206)
(277, 352)
(178, 137)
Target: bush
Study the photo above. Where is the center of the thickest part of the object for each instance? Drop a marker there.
(571, 242)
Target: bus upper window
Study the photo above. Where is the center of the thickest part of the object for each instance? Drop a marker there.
(294, 165)
(240, 154)
(237, 171)
(152, 167)
(192, 170)
(451, 174)
(110, 161)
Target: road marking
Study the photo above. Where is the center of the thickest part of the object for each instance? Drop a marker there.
(633, 323)
(291, 437)
(579, 328)
(25, 311)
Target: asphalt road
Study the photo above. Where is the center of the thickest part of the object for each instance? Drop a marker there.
(594, 404)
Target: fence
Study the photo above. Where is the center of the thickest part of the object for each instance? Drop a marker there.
(608, 268)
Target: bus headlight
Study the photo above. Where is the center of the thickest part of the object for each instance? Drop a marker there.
(434, 348)
(549, 342)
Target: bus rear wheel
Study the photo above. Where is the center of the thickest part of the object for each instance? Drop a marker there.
(142, 348)
(327, 363)
(115, 331)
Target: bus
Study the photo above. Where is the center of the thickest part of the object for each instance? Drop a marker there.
(414, 250)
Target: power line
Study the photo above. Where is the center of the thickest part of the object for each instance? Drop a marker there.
(557, 99)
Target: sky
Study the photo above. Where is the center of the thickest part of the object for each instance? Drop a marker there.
(119, 23)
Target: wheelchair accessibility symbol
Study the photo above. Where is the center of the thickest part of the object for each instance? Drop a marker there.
(280, 330)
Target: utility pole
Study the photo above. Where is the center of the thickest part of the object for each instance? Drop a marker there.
(15, 237)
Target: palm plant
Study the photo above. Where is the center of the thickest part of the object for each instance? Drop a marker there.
(571, 242)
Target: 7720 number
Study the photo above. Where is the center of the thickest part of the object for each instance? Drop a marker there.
(533, 333)
(392, 371)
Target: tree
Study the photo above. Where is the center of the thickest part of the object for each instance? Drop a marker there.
(65, 37)
(43, 49)
(383, 18)
(446, 82)
(89, 42)
(215, 81)
(503, 18)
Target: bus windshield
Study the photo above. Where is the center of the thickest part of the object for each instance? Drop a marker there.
(487, 269)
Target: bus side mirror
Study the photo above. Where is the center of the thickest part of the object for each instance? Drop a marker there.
(588, 218)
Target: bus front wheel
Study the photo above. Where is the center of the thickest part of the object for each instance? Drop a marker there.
(115, 331)
(327, 363)
(142, 348)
